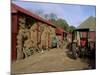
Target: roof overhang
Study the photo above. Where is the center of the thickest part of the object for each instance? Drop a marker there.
(15, 9)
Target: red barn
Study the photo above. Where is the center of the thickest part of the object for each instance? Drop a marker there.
(59, 32)
(16, 12)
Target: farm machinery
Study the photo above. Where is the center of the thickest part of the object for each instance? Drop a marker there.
(81, 46)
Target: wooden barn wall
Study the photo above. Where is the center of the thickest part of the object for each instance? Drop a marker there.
(34, 35)
(14, 29)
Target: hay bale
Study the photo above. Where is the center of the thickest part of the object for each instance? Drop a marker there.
(20, 38)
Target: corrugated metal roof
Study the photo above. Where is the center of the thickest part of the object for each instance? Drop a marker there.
(15, 8)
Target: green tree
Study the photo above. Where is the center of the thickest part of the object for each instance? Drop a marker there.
(71, 28)
(63, 24)
(52, 16)
(55, 20)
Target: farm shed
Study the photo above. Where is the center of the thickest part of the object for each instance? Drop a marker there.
(61, 35)
(29, 33)
(61, 32)
(90, 23)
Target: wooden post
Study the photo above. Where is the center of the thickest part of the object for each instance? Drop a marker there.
(14, 36)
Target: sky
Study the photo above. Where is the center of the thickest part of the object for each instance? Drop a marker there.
(72, 13)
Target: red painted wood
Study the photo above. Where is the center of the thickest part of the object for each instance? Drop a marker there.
(14, 51)
(83, 42)
(14, 37)
(92, 35)
(59, 31)
(16, 8)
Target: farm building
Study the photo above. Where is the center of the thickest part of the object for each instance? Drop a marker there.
(30, 33)
(91, 24)
(61, 32)
(61, 35)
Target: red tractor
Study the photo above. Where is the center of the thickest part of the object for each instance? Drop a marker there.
(80, 45)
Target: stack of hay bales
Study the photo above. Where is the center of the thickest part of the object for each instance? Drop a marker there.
(37, 37)
(33, 31)
(20, 37)
(47, 35)
(30, 44)
(44, 36)
(52, 35)
(25, 42)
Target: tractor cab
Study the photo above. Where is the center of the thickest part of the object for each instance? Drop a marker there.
(79, 44)
(82, 37)
(82, 43)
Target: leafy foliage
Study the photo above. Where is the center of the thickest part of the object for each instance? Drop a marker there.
(63, 24)
(59, 22)
(71, 28)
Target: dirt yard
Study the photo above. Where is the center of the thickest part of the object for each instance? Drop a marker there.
(52, 60)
